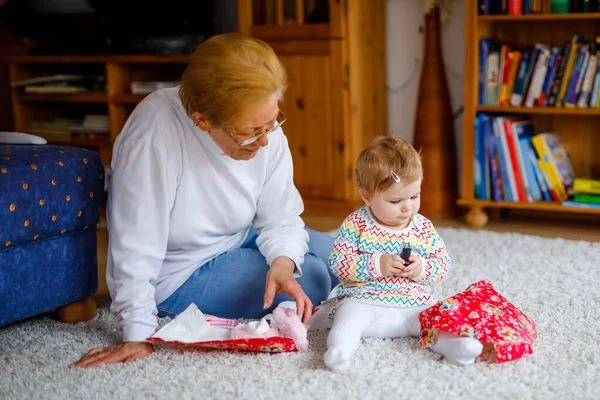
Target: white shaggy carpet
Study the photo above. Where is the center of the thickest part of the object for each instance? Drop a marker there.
(556, 282)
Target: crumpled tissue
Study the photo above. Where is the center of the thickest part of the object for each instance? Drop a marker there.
(195, 329)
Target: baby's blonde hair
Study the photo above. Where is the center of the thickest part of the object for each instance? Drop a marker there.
(386, 156)
(229, 74)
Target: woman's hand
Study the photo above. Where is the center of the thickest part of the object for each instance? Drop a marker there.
(123, 352)
(280, 278)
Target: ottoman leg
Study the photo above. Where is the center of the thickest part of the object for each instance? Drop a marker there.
(79, 311)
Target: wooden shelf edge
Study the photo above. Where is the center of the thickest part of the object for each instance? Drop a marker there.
(540, 17)
(128, 98)
(539, 110)
(293, 31)
(64, 139)
(101, 59)
(539, 206)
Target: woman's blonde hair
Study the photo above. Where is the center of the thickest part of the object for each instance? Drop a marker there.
(386, 156)
(229, 74)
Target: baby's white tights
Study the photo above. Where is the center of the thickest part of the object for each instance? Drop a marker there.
(354, 320)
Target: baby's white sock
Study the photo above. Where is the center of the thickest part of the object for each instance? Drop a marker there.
(338, 358)
(457, 350)
(342, 343)
(351, 320)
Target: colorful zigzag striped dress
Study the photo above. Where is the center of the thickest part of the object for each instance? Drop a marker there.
(355, 260)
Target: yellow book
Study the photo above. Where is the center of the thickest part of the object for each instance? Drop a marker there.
(508, 84)
(586, 186)
(548, 168)
(576, 44)
(504, 50)
(553, 185)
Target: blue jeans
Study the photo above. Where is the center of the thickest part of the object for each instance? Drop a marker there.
(232, 285)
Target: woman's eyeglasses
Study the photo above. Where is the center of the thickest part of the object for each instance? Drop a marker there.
(279, 120)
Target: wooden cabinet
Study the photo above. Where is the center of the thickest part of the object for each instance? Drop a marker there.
(334, 54)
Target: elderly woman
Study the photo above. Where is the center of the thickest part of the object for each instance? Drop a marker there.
(202, 206)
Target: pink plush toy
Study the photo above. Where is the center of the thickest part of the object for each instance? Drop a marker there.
(284, 323)
(289, 325)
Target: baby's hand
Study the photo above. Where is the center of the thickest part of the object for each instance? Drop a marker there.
(413, 270)
(391, 265)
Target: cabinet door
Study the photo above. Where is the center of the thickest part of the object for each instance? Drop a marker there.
(315, 123)
(285, 19)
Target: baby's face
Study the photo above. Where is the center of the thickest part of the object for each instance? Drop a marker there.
(396, 206)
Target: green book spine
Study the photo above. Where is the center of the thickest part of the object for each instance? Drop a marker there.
(587, 198)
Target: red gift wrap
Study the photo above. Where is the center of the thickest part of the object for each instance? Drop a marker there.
(275, 344)
(482, 313)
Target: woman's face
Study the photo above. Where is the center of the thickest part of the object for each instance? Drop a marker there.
(256, 120)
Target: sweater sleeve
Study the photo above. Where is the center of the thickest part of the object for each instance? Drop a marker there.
(346, 262)
(277, 221)
(141, 195)
(436, 262)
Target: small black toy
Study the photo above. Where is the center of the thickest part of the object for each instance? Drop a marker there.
(406, 255)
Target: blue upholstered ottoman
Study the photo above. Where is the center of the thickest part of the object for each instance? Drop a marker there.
(49, 208)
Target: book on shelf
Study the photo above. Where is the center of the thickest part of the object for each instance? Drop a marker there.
(586, 186)
(47, 79)
(587, 198)
(141, 87)
(62, 84)
(58, 89)
(514, 163)
(91, 128)
(577, 204)
(585, 193)
(540, 75)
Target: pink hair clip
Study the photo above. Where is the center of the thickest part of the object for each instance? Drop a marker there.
(396, 177)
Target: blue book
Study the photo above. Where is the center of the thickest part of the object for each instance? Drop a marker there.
(539, 175)
(578, 204)
(479, 161)
(533, 186)
(492, 157)
(524, 130)
(574, 87)
(485, 46)
(504, 160)
(594, 100)
(552, 67)
(516, 98)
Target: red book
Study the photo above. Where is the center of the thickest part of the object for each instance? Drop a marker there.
(514, 159)
(515, 7)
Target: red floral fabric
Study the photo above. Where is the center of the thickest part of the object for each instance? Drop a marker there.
(484, 314)
(275, 344)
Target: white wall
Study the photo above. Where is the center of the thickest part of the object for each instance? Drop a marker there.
(404, 54)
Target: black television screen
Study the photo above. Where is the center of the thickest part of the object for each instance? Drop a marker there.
(117, 26)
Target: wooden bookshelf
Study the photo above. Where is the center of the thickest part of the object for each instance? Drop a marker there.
(63, 98)
(578, 128)
(538, 205)
(117, 102)
(539, 110)
(102, 59)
